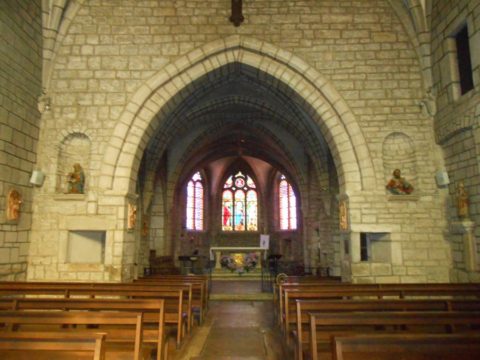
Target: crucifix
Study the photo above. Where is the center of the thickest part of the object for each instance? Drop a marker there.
(237, 17)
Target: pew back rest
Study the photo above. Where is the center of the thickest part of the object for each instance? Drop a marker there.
(324, 325)
(50, 345)
(57, 320)
(411, 346)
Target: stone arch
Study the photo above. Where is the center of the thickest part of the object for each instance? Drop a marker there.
(428, 12)
(326, 107)
(412, 15)
(57, 18)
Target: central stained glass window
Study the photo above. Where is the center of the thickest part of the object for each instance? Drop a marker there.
(239, 204)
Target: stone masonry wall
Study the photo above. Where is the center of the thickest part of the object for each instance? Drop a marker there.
(20, 85)
(458, 118)
(112, 47)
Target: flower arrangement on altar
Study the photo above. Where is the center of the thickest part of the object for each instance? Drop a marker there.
(239, 263)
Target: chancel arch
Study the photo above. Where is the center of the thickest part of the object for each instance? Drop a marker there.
(153, 102)
(238, 87)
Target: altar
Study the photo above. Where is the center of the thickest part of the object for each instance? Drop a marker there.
(216, 253)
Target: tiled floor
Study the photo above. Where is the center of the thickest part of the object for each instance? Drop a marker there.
(236, 330)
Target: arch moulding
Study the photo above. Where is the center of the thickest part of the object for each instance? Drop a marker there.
(325, 107)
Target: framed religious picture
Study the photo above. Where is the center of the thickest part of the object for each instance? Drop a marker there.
(343, 215)
(14, 201)
(264, 241)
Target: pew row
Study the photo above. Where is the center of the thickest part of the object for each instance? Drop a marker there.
(323, 326)
(176, 313)
(300, 321)
(123, 330)
(290, 295)
(407, 346)
(194, 295)
(154, 317)
(52, 345)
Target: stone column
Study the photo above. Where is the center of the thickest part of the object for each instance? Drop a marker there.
(466, 230)
(218, 254)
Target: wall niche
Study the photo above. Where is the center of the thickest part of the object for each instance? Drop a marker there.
(74, 149)
(398, 152)
(86, 247)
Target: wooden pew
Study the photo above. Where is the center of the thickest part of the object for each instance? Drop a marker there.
(75, 289)
(199, 288)
(118, 327)
(315, 286)
(176, 314)
(290, 297)
(325, 325)
(305, 280)
(440, 289)
(407, 346)
(153, 311)
(53, 345)
(195, 279)
(350, 292)
(300, 321)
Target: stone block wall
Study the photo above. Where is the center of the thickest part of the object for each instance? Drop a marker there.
(457, 122)
(20, 86)
(111, 48)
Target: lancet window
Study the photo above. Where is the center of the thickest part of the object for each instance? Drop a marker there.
(195, 196)
(239, 204)
(287, 205)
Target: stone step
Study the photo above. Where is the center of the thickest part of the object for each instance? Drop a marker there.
(242, 297)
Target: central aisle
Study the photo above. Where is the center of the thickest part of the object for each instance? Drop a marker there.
(236, 329)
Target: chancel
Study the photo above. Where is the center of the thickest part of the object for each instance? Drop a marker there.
(236, 171)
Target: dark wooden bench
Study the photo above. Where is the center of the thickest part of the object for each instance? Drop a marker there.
(53, 345)
(300, 321)
(420, 289)
(201, 279)
(176, 313)
(75, 289)
(407, 346)
(289, 297)
(323, 326)
(123, 329)
(292, 295)
(199, 289)
(305, 280)
(154, 331)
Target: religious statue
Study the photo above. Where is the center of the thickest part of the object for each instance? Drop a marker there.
(342, 212)
(14, 200)
(145, 227)
(462, 200)
(43, 102)
(76, 180)
(132, 216)
(398, 185)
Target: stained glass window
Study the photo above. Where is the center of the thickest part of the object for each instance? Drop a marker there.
(239, 204)
(288, 205)
(194, 214)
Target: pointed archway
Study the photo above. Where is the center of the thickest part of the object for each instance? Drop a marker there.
(323, 103)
